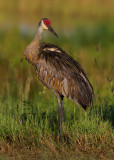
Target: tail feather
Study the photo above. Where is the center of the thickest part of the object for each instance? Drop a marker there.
(79, 92)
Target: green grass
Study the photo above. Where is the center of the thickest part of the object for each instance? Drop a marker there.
(29, 111)
(36, 125)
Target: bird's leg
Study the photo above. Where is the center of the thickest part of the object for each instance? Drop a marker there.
(61, 111)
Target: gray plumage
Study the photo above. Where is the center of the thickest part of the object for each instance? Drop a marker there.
(59, 71)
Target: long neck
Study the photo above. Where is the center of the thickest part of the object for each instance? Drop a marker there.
(38, 36)
(32, 49)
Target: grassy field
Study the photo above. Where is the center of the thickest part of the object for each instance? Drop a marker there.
(29, 111)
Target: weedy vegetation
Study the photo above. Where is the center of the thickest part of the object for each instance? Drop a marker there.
(29, 111)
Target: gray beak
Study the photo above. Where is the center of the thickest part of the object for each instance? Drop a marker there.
(52, 31)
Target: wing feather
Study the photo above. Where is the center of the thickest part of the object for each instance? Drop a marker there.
(63, 74)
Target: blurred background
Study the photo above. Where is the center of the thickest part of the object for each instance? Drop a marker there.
(28, 110)
(86, 32)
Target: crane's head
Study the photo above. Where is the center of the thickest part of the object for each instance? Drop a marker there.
(45, 23)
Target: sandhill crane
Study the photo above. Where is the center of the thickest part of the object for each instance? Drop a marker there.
(59, 71)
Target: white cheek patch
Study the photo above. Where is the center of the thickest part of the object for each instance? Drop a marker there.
(52, 49)
(44, 26)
